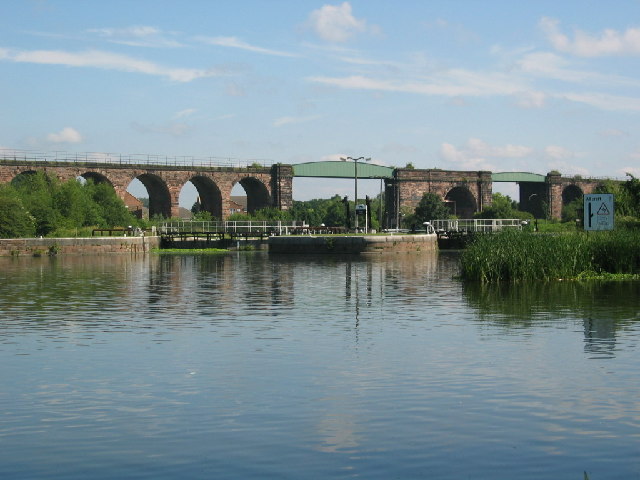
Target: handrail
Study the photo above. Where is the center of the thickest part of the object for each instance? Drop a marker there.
(229, 226)
(476, 224)
(35, 156)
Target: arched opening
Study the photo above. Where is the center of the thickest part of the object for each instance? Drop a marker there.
(93, 176)
(461, 202)
(257, 195)
(570, 194)
(571, 203)
(22, 176)
(201, 194)
(158, 198)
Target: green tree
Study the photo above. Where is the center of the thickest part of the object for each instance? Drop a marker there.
(430, 207)
(15, 220)
(36, 192)
(626, 194)
(502, 207)
(573, 210)
(272, 214)
(112, 208)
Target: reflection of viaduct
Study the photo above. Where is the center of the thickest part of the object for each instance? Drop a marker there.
(465, 191)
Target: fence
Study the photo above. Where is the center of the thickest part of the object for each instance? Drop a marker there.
(476, 224)
(236, 227)
(56, 157)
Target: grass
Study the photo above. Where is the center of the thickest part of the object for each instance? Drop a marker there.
(189, 251)
(520, 256)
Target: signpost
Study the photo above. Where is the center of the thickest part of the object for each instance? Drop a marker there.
(362, 210)
(598, 211)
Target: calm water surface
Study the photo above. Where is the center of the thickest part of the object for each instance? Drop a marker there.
(257, 366)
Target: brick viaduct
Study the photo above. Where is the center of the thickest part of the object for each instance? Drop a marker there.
(265, 186)
(465, 191)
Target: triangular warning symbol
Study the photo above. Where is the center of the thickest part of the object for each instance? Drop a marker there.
(603, 210)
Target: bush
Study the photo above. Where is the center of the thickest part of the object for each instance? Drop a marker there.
(56, 207)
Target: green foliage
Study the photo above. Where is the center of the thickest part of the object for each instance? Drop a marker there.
(626, 195)
(111, 207)
(502, 207)
(315, 212)
(202, 215)
(573, 210)
(240, 217)
(272, 214)
(15, 220)
(517, 256)
(430, 207)
(54, 207)
(330, 212)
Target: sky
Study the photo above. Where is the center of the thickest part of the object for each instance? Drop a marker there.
(462, 85)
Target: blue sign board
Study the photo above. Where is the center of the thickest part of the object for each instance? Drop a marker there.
(598, 211)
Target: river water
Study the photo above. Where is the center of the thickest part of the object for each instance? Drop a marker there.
(256, 366)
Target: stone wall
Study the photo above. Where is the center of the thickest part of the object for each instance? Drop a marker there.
(76, 246)
(360, 244)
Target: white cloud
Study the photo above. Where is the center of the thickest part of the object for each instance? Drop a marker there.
(234, 42)
(107, 61)
(479, 155)
(173, 129)
(292, 120)
(336, 23)
(613, 132)
(137, 36)
(560, 159)
(609, 42)
(635, 171)
(531, 99)
(552, 65)
(185, 113)
(557, 152)
(451, 83)
(66, 135)
(604, 101)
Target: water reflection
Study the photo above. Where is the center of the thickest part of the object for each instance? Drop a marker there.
(253, 366)
(603, 308)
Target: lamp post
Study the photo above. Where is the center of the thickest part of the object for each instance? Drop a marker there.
(355, 178)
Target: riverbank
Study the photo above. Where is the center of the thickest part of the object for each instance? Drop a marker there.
(353, 244)
(76, 246)
(516, 256)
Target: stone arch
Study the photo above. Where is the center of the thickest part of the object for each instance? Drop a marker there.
(462, 202)
(96, 177)
(209, 194)
(23, 174)
(571, 193)
(159, 196)
(257, 194)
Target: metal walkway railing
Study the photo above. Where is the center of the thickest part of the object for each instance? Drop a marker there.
(35, 156)
(231, 227)
(477, 224)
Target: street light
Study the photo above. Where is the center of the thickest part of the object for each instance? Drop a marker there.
(355, 177)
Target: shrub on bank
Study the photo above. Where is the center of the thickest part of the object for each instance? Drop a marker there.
(516, 256)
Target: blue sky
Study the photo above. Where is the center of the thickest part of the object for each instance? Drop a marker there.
(464, 85)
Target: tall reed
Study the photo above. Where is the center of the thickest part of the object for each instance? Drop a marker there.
(516, 256)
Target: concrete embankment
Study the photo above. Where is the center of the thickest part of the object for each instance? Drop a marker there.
(76, 246)
(356, 244)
